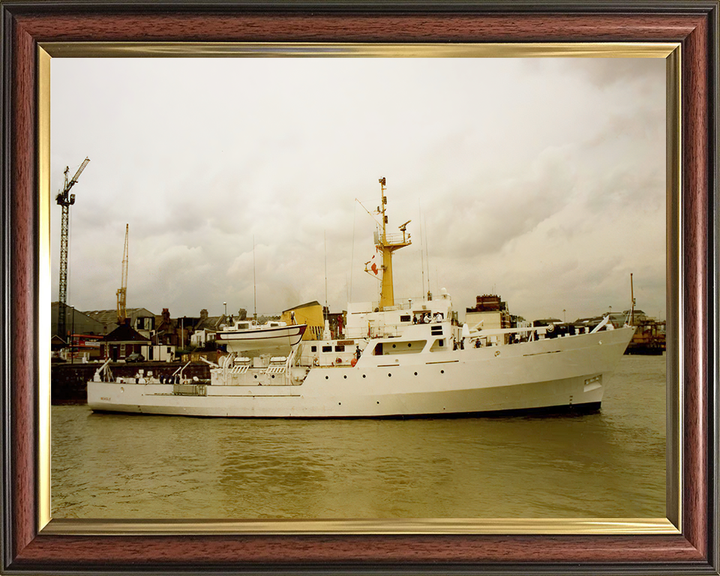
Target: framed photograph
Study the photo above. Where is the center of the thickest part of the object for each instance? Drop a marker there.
(207, 65)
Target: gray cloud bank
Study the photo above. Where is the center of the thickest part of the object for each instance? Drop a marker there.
(541, 180)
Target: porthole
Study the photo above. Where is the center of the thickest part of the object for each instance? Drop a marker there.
(389, 375)
(393, 345)
(363, 375)
(326, 377)
(345, 376)
(255, 376)
(415, 373)
(442, 371)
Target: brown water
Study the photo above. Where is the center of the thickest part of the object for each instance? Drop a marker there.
(607, 464)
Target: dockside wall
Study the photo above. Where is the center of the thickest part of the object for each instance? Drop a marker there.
(68, 382)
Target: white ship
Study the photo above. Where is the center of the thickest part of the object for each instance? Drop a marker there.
(396, 360)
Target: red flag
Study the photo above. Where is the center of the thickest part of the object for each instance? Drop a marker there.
(374, 264)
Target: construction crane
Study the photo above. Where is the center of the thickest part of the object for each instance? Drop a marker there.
(122, 291)
(65, 200)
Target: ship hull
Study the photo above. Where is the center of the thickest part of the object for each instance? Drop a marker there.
(553, 373)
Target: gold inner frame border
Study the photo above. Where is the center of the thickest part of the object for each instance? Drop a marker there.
(670, 51)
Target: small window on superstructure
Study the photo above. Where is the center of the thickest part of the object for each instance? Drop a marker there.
(327, 348)
(405, 318)
(313, 348)
(340, 348)
(439, 344)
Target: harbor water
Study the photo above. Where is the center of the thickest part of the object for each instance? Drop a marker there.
(607, 464)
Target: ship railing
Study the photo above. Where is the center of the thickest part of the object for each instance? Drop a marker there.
(227, 366)
(385, 331)
(500, 336)
(530, 332)
(394, 239)
(276, 369)
(410, 303)
(279, 364)
(380, 330)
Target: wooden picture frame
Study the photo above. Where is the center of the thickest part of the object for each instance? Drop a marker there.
(29, 546)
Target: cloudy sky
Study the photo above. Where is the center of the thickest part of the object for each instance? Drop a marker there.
(541, 180)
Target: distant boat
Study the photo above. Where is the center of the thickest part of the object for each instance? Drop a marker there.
(649, 337)
(395, 360)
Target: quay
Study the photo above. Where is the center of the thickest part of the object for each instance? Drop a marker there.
(69, 380)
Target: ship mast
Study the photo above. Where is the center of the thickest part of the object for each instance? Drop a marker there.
(387, 244)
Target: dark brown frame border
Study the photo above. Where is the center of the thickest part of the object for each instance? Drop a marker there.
(26, 23)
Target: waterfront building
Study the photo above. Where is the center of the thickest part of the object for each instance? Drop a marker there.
(122, 342)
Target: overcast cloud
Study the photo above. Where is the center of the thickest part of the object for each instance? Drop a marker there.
(540, 180)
